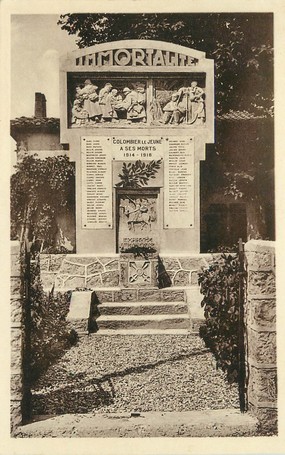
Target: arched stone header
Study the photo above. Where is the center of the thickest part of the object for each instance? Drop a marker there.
(158, 74)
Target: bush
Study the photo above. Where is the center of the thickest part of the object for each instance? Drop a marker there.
(49, 333)
(220, 287)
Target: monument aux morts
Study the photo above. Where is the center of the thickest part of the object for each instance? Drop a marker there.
(136, 116)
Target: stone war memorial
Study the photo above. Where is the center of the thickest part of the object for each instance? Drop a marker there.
(135, 116)
(135, 120)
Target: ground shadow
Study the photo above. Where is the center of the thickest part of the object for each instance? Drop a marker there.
(87, 395)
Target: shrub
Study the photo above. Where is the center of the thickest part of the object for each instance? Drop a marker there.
(220, 286)
(49, 332)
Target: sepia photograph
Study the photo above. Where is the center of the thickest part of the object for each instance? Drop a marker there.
(143, 227)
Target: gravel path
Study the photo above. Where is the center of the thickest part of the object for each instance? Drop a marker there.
(124, 373)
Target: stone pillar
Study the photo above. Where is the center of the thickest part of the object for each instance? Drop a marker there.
(16, 337)
(260, 319)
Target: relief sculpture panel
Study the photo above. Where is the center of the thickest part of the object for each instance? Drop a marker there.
(122, 101)
(113, 103)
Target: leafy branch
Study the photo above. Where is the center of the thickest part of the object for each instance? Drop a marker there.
(138, 173)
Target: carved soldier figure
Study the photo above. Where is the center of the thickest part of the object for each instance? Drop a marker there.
(171, 111)
(112, 100)
(79, 115)
(192, 103)
(104, 102)
(133, 104)
(91, 100)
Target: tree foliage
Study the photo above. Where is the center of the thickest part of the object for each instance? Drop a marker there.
(40, 191)
(240, 44)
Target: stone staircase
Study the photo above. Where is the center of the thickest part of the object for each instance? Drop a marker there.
(152, 311)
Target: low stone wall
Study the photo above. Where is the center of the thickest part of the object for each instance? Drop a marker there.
(71, 271)
(260, 318)
(16, 338)
(183, 270)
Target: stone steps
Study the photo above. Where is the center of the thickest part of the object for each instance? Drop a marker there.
(142, 332)
(142, 308)
(147, 321)
(146, 294)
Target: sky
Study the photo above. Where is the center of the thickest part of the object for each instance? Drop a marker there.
(36, 44)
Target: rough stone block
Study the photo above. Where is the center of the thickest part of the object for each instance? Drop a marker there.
(267, 417)
(262, 347)
(171, 264)
(15, 286)
(93, 281)
(55, 262)
(95, 267)
(191, 263)
(112, 265)
(110, 278)
(73, 282)
(72, 269)
(16, 310)
(194, 278)
(104, 296)
(172, 295)
(263, 313)
(15, 264)
(260, 260)
(108, 260)
(79, 325)
(16, 360)
(125, 295)
(181, 278)
(16, 386)
(151, 295)
(261, 283)
(81, 260)
(15, 414)
(262, 385)
(16, 340)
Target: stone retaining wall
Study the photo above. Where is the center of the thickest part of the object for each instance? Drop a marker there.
(16, 338)
(260, 318)
(183, 270)
(71, 271)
